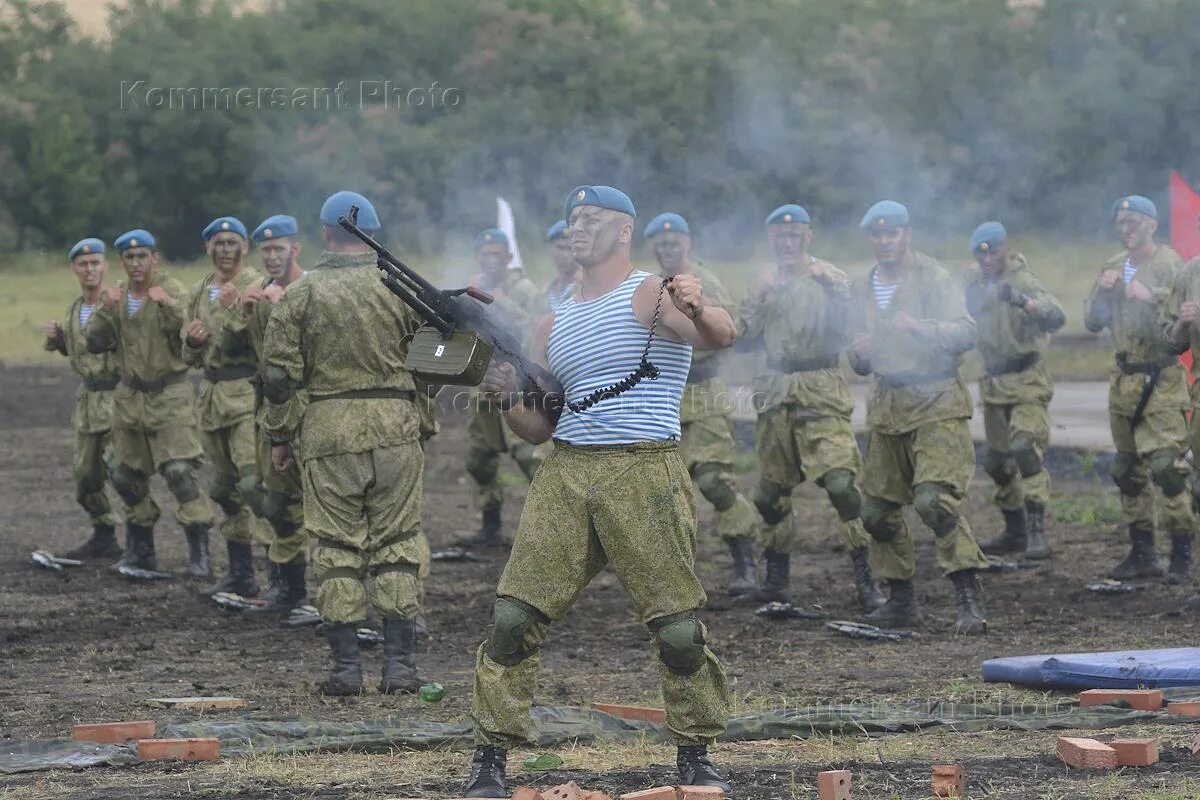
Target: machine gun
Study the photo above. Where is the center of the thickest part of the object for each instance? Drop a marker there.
(461, 334)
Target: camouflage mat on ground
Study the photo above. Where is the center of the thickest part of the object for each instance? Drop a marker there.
(553, 725)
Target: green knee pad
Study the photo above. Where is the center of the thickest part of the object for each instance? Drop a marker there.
(278, 388)
(181, 480)
(130, 485)
(680, 640)
(881, 518)
(482, 466)
(512, 621)
(252, 493)
(715, 486)
(222, 488)
(839, 485)
(1170, 478)
(939, 516)
(1122, 471)
(774, 504)
(999, 466)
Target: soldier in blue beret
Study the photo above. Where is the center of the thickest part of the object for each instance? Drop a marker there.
(566, 271)
(1137, 294)
(227, 397)
(518, 302)
(92, 419)
(154, 411)
(338, 205)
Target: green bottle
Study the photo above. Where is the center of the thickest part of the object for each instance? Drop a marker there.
(543, 762)
(432, 692)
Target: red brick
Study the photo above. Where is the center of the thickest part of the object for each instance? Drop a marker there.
(185, 749)
(114, 732)
(1184, 708)
(656, 715)
(834, 784)
(564, 791)
(1086, 753)
(657, 793)
(701, 793)
(1135, 752)
(594, 794)
(1138, 699)
(949, 780)
(526, 793)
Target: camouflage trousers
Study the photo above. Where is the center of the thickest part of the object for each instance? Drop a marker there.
(488, 438)
(363, 511)
(93, 454)
(706, 447)
(281, 506)
(232, 453)
(174, 452)
(1151, 454)
(627, 507)
(1017, 436)
(930, 468)
(791, 448)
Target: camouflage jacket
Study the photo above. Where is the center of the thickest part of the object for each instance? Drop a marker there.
(336, 330)
(93, 407)
(705, 393)
(1009, 336)
(916, 372)
(221, 403)
(1187, 288)
(801, 324)
(519, 305)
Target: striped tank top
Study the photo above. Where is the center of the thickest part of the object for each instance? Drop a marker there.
(598, 343)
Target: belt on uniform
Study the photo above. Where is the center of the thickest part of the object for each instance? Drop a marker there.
(807, 364)
(155, 385)
(237, 372)
(101, 384)
(703, 370)
(900, 380)
(366, 394)
(1147, 367)
(1010, 365)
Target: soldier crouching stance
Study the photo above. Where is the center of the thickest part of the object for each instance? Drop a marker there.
(614, 492)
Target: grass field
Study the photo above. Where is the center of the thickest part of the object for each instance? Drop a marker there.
(37, 287)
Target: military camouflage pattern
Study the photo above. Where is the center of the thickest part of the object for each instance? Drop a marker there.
(226, 403)
(1002, 424)
(706, 446)
(152, 428)
(629, 508)
(1187, 288)
(938, 453)
(1162, 431)
(488, 437)
(92, 417)
(707, 363)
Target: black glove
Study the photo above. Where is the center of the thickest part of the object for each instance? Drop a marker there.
(1012, 296)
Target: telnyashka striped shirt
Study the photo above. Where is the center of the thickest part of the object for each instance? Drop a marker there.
(1129, 271)
(133, 304)
(554, 299)
(883, 291)
(85, 313)
(594, 345)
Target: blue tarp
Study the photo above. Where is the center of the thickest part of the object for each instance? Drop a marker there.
(1124, 669)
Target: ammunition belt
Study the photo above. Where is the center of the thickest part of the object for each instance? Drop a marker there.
(1010, 365)
(101, 384)
(237, 372)
(366, 394)
(1144, 367)
(155, 385)
(901, 380)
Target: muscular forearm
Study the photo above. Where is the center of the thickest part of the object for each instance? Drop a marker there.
(715, 329)
(531, 423)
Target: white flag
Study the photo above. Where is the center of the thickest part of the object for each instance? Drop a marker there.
(505, 222)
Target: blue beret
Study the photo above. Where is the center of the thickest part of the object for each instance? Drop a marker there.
(601, 197)
(988, 236)
(883, 215)
(224, 224)
(137, 237)
(338, 205)
(788, 213)
(557, 231)
(491, 236)
(86, 247)
(274, 227)
(1135, 202)
(666, 222)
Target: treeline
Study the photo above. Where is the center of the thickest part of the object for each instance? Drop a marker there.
(185, 109)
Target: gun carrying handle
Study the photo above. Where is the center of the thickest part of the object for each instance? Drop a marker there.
(480, 295)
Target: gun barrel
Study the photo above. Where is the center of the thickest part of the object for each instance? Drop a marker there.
(383, 253)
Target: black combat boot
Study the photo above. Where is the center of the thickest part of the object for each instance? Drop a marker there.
(1036, 546)
(1193, 603)
(399, 657)
(869, 596)
(240, 580)
(487, 773)
(345, 670)
(1180, 571)
(1142, 562)
(199, 563)
(1015, 535)
(287, 592)
(103, 544)
(274, 588)
(489, 530)
(901, 609)
(696, 770)
(968, 593)
(745, 571)
(139, 548)
(777, 588)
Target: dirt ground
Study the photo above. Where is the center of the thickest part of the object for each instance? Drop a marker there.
(88, 646)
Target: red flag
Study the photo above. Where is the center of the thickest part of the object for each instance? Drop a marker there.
(1185, 234)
